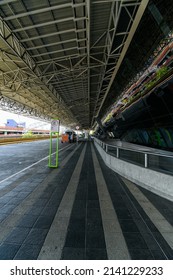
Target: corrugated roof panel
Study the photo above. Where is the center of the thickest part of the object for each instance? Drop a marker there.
(13, 8)
(34, 5)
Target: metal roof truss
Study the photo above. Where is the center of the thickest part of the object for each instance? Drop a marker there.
(60, 58)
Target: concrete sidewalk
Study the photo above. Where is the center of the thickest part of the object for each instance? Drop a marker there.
(82, 210)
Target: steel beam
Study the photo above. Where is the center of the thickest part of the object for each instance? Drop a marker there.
(42, 10)
(43, 24)
(134, 26)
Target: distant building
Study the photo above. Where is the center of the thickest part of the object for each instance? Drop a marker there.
(13, 123)
(21, 124)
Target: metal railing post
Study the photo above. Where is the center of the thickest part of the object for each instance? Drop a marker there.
(106, 148)
(117, 152)
(146, 160)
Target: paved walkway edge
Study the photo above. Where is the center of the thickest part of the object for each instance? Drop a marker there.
(164, 227)
(55, 239)
(115, 242)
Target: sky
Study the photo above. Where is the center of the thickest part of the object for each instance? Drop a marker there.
(30, 123)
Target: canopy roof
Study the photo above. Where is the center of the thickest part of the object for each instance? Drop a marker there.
(59, 59)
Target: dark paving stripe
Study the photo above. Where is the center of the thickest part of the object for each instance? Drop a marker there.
(85, 236)
(36, 236)
(150, 233)
(12, 202)
(54, 242)
(34, 225)
(28, 252)
(3, 217)
(17, 236)
(163, 205)
(73, 253)
(16, 195)
(143, 239)
(8, 251)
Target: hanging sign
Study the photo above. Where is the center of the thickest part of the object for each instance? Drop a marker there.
(55, 125)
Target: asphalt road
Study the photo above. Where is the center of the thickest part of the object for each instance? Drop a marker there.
(14, 158)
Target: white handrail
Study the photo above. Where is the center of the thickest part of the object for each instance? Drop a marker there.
(133, 150)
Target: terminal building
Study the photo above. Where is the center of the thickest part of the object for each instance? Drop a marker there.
(13, 123)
